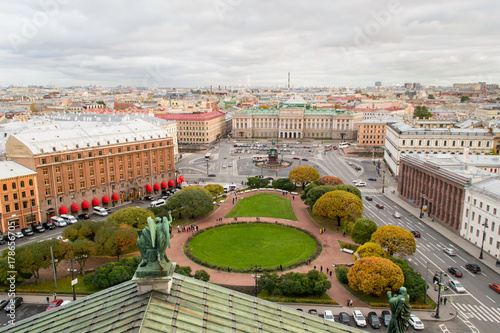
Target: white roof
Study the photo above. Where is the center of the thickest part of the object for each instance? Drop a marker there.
(10, 169)
(91, 134)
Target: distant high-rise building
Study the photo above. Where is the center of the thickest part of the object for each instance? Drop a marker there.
(378, 84)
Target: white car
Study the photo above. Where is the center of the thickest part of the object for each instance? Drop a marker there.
(449, 251)
(360, 184)
(328, 315)
(457, 286)
(416, 323)
(396, 215)
(357, 181)
(64, 303)
(359, 319)
(18, 234)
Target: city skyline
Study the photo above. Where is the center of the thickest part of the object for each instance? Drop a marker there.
(238, 43)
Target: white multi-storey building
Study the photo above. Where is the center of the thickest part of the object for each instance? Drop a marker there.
(481, 215)
(402, 138)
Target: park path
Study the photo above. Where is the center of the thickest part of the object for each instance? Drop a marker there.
(330, 255)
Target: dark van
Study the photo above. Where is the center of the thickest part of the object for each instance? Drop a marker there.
(48, 225)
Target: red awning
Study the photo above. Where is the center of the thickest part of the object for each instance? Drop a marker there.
(85, 204)
(95, 202)
(171, 182)
(105, 199)
(156, 186)
(74, 207)
(164, 185)
(149, 188)
(181, 178)
(115, 197)
(63, 210)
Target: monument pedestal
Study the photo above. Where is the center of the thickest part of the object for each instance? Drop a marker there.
(154, 277)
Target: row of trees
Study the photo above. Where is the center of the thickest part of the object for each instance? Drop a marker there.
(294, 284)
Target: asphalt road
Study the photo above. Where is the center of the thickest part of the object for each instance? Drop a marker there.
(22, 312)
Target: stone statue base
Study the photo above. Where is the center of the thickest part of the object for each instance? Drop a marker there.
(154, 277)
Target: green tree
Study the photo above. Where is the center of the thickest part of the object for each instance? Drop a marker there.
(214, 189)
(202, 275)
(375, 276)
(183, 270)
(284, 184)
(31, 258)
(4, 275)
(363, 230)
(116, 240)
(431, 96)
(256, 182)
(369, 249)
(79, 230)
(303, 175)
(132, 216)
(339, 205)
(348, 188)
(82, 250)
(341, 273)
(113, 273)
(191, 203)
(421, 112)
(317, 192)
(59, 249)
(464, 99)
(197, 188)
(395, 240)
(308, 188)
(330, 180)
(414, 284)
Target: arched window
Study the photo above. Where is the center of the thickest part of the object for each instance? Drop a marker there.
(13, 186)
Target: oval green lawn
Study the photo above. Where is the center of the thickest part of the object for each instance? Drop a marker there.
(245, 244)
(263, 205)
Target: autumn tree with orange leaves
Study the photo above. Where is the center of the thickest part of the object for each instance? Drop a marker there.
(375, 276)
(339, 205)
(303, 175)
(369, 249)
(330, 180)
(395, 240)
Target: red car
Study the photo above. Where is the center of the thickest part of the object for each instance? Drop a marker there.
(495, 287)
(54, 304)
(296, 158)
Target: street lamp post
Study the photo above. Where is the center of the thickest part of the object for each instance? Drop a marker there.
(484, 236)
(439, 285)
(383, 182)
(72, 278)
(256, 276)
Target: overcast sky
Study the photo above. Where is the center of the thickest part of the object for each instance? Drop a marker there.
(197, 43)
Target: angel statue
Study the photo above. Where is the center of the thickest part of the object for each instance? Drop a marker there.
(153, 241)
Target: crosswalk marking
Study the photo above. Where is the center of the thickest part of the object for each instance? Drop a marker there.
(369, 190)
(482, 313)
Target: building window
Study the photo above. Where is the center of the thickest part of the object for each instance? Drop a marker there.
(47, 191)
(23, 194)
(58, 179)
(91, 163)
(4, 187)
(91, 173)
(14, 196)
(33, 203)
(30, 182)
(101, 162)
(6, 198)
(32, 193)
(14, 186)
(69, 167)
(92, 182)
(58, 169)
(7, 208)
(59, 189)
(22, 183)
(16, 206)
(102, 180)
(44, 161)
(46, 181)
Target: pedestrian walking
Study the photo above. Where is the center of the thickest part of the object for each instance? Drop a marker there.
(343, 234)
(498, 262)
(315, 267)
(55, 296)
(321, 269)
(330, 273)
(48, 300)
(348, 302)
(293, 197)
(445, 299)
(327, 270)
(441, 300)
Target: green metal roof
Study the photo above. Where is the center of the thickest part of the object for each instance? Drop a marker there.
(191, 306)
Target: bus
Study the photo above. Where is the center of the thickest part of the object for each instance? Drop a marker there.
(259, 158)
(343, 145)
(207, 156)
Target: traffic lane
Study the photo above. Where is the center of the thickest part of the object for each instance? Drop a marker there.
(22, 312)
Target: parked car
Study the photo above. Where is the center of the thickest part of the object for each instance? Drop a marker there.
(69, 219)
(416, 323)
(335, 147)
(48, 225)
(372, 179)
(328, 315)
(357, 168)
(349, 163)
(148, 198)
(372, 319)
(356, 181)
(359, 319)
(83, 216)
(305, 159)
(65, 303)
(495, 287)
(27, 232)
(368, 198)
(379, 206)
(18, 234)
(360, 184)
(396, 215)
(455, 272)
(416, 233)
(473, 268)
(386, 317)
(54, 304)
(300, 310)
(3, 302)
(296, 158)
(58, 221)
(449, 251)
(13, 304)
(211, 175)
(344, 318)
(98, 210)
(109, 211)
(457, 286)
(313, 312)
